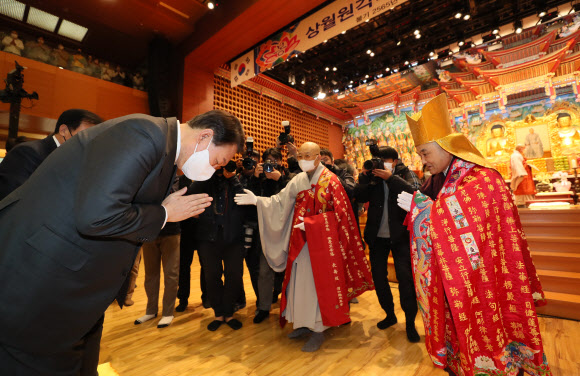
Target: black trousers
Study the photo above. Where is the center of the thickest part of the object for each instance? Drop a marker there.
(379, 254)
(81, 359)
(222, 258)
(186, 250)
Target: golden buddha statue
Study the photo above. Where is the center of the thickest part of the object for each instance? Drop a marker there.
(496, 146)
(569, 134)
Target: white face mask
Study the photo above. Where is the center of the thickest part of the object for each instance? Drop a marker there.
(388, 166)
(198, 167)
(305, 165)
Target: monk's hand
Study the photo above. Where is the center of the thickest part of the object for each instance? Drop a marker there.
(301, 224)
(383, 174)
(249, 198)
(179, 207)
(404, 200)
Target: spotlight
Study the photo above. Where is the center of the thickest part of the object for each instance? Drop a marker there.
(399, 42)
(327, 69)
(367, 20)
(303, 82)
(344, 32)
(542, 14)
(372, 54)
(418, 36)
(387, 69)
(495, 31)
(292, 83)
(461, 43)
(518, 26)
(326, 40)
(406, 62)
(369, 52)
(416, 32)
(431, 53)
(334, 69)
(467, 17)
(351, 81)
(367, 76)
(321, 95)
(211, 5)
(458, 15)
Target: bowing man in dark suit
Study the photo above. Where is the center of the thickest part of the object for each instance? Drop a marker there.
(69, 235)
(24, 158)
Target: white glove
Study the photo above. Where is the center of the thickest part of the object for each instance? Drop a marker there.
(301, 224)
(246, 199)
(404, 200)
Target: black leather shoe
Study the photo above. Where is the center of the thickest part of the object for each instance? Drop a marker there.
(261, 316)
(182, 306)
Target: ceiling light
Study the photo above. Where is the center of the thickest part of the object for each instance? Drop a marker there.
(367, 76)
(72, 30)
(369, 52)
(321, 95)
(334, 69)
(292, 83)
(431, 53)
(302, 82)
(406, 62)
(211, 5)
(367, 20)
(13, 9)
(365, 81)
(458, 15)
(326, 40)
(387, 69)
(344, 32)
(350, 85)
(351, 81)
(416, 32)
(398, 42)
(495, 31)
(327, 69)
(461, 43)
(372, 54)
(336, 90)
(518, 26)
(418, 36)
(542, 14)
(467, 17)
(41, 19)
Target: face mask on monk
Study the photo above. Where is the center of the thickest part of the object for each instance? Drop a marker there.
(307, 166)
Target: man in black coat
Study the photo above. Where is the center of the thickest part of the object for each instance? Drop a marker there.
(385, 232)
(24, 158)
(70, 234)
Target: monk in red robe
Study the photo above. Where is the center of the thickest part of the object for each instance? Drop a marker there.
(476, 285)
(310, 231)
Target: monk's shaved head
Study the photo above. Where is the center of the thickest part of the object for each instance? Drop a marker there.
(309, 148)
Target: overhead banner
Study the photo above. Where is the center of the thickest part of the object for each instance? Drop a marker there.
(325, 24)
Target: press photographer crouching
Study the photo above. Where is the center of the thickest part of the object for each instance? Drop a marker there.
(270, 177)
(219, 235)
(380, 182)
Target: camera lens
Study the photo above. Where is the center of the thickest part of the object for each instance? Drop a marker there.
(269, 167)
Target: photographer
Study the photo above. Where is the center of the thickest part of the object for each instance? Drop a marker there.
(346, 179)
(381, 181)
(270, 177)
(219, 236)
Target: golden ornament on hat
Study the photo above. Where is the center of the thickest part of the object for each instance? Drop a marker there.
(432, 124)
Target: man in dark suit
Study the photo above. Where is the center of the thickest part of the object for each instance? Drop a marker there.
(24, 158)
(70, 234)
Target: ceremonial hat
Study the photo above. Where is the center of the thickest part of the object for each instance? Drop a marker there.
(432, 124)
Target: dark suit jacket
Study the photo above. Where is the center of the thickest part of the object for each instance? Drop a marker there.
(21, 162)
(402, 180)
(69, 235)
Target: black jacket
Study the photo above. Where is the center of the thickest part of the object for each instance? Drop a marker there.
(346, 179)
(21, 162)
(66, 250)
(402, 180)
(223, 219)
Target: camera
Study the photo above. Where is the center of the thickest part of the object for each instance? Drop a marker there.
(375, 162)
(270, 167)
(249, 229)
(14, 92)
(231, 166)
(248, 162)
(284, 137)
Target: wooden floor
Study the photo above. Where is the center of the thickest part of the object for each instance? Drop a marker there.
(188, 348)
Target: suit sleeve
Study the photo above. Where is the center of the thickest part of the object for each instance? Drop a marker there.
(114, 168)
(16, 168)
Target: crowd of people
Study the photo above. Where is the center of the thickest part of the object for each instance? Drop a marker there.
(111, 197)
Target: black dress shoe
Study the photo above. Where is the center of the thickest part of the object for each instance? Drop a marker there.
(214, 325)
(182, 306)
(206, 304)
(387, 322)
(412, 334)
(234, 324)
(261, 316)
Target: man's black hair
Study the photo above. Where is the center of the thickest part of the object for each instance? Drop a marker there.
(387, 152)
(328, 153)
(272, 153)
(74, 117)
(226, 128)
